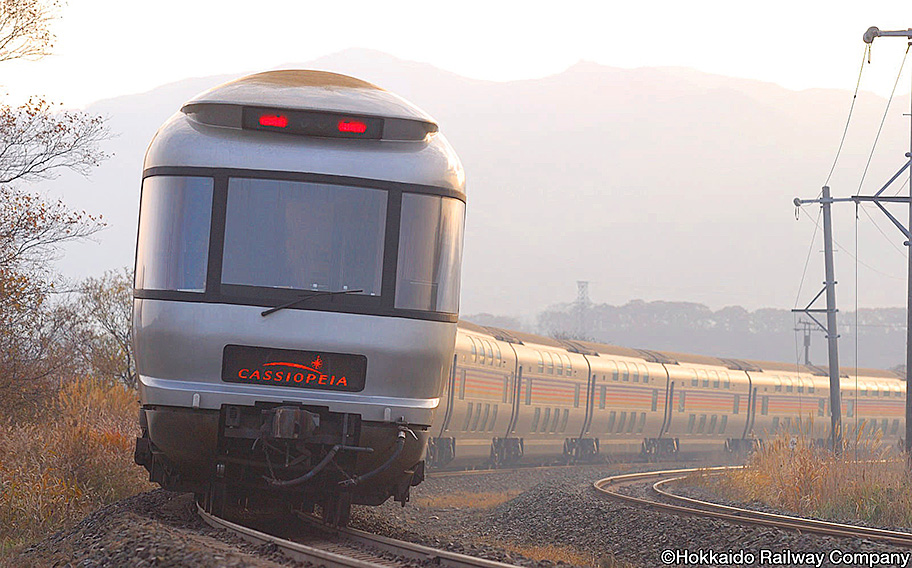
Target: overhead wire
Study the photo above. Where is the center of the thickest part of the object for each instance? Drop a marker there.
(866, 57)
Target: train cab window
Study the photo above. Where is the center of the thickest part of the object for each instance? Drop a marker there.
(174, 221)
(726, 380)
(642, 423)
(821, 407)
(338, 248)
(611, 418)
(462, 385)
(736, 407)
(556, 420)
(493, 419)
(715, 379)
(546, 419)
(430, 253)
(723, 423)
(775, 423)
(576, 396)
(541, 362)
(690, 423)
(484, 418)
(566, 417)
(655, 400)
(895, 427)
(712, 424)
(701, 424)
(764, 405)
(681, 401)
(621, 422)
(468, 418)
(535, 418)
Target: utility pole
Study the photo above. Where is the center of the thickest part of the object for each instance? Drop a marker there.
(829, 287)
(879, 200)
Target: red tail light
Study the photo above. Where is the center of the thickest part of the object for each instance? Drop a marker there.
(354, 126)
(276, 120)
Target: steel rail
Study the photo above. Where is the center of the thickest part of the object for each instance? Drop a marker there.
(697, 508)
(328, 559)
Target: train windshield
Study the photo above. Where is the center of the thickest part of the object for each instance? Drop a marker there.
(305, 236)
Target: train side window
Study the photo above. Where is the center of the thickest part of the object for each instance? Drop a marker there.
(612, 416)
(850, 409)
(775, 423)
(490, 352)
(625, 373)
(462, 385)
(634, 373)
(712, 424)
(701, 424)
(632, 423)
(481, 352)
(788, 385)
(576, 396)
(506, 389)
(556, 420)
(644, 373)
(704, 378)
(883, 425)
(715, 378)
(821, 407)
(474, 352)
(614, 371)
(497, 351)
(690, 423)
(811, 387)
(641, 423)
(895, 427)
(560, 364)
(468, 418)
(655, 400)
(568, 368)
(764, 405)
(736, 407)
(800, 384)
(726, 380)
(564, 420)
(603, 391)
(484, 418)
(550, 362)
(535, 418)
(694, 381)
(681, 401)
(529, 391)
(621, 422)
(546, 419)
(723, 423)
(541, 362)
(778, 384)
(493, 419)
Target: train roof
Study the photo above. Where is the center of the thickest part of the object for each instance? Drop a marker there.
(673, 357)
(304, 89)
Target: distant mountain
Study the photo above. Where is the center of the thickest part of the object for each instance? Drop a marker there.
(655, 183)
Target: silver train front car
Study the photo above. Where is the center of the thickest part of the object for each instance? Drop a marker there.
(343, 206)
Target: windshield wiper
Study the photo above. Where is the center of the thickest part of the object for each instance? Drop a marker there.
(303, 299)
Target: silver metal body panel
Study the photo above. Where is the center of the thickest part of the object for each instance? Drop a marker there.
(179, 355)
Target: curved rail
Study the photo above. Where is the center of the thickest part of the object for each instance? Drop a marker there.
(366, 550)
(694, 507)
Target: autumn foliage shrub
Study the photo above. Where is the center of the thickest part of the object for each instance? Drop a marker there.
(73, 457)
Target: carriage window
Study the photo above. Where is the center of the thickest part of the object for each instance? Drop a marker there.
(529, 391)
(490, 351)
(560, 365)
(621, 422)
(705, 378)
(634, 373)
(625, 374)
(764, 405)
(477, 416)
(611, 418)
(493, 418)
(603, 391)
(895, 426)
(506, 390)
(556, 418)
(481, 352)
(775, 423)
(484, 419)
(546, 419)
(701, 424)
(535, 418)
(642, 423)
(712, 424)
(614, 371)
(468, 418)
(690, 423)
(681, 402)
(821, 407)
(304, 236)
(736, 407)
(541, 362)
(173, 248)
(550, 363)
(474, 353)
(568, 370)
(564, 420)
(655, 399)
(462, 386)
(576, 396)
(726, 380)
(693, 378)
(723, 424)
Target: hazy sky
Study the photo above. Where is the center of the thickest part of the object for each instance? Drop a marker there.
(107, 48)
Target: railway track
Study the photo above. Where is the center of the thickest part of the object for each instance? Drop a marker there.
(330, 547)
(670, 502)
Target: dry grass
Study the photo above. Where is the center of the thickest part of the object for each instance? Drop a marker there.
(465, 499)
(75, 457)
(792, 474)
(556, 553)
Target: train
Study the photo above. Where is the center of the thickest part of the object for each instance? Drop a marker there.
(296, 293)
(296, 322)
(514, 396)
